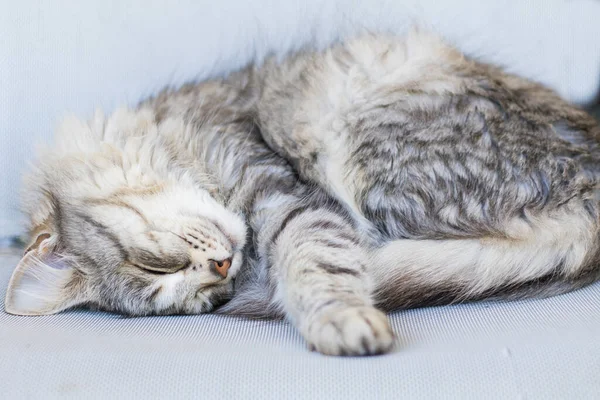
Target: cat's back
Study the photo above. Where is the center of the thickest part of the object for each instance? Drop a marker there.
(424, 142)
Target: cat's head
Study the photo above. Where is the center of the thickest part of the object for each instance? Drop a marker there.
(121, 222)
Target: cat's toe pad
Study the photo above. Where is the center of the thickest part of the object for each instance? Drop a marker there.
(356, 331)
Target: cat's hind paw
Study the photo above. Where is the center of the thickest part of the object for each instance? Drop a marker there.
(354, 331)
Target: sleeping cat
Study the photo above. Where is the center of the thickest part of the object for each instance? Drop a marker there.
(380, 174)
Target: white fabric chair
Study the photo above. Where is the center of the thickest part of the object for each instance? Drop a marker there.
(64, 56)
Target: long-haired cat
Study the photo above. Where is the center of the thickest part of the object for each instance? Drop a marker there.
(380, 174)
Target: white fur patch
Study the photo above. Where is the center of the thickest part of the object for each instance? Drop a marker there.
(169, 292)
(531, 251)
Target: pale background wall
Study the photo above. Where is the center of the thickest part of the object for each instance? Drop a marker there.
(60, 56)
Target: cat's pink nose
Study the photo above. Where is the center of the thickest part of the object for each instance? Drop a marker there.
(222, 266)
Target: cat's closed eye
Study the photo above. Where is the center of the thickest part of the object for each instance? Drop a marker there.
(162, 269)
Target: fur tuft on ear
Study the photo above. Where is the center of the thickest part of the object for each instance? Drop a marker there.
(43, 282)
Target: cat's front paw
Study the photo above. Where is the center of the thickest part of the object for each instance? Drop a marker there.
(355, 331)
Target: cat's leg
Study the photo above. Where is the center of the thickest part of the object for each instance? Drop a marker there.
(540, 255)
(320, 274)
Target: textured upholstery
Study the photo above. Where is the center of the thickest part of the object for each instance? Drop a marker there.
(536, 349)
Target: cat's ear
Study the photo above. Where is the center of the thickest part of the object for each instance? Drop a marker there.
(44, 282)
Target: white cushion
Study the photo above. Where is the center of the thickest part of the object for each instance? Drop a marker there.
(536, 349)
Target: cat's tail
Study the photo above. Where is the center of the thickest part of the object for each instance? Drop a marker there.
(538, 256)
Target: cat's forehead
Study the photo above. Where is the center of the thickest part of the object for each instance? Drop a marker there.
(119, 156)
